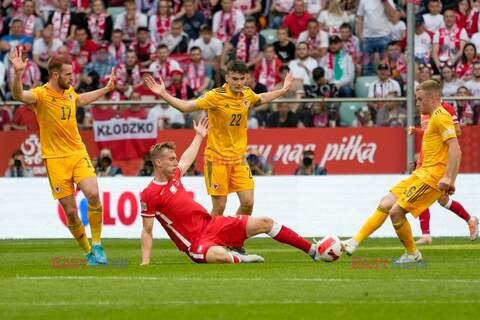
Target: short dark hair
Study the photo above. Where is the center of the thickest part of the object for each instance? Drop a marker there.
(117, 31)
(56, 62)
(284, 28)
(346, 26)
(318, 73)
(237, 66)
(284, 68)
(15, 20)
(195, 48)
(142, 29)
(251, 20)
(163, 46)
(206, 28)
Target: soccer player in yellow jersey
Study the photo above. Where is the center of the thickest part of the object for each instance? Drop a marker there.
(65, 156)
(226, 169)
(427, 184)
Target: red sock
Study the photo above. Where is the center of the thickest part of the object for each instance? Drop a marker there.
(425, 222)
(458, 209)
(235, 259)
(285, 235)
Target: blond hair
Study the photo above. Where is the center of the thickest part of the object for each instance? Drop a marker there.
(430, 86)
(156, 149)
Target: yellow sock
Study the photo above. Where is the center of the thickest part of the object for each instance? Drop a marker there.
(78, 232)
(95, 218)
(372, 224)
(404, 233)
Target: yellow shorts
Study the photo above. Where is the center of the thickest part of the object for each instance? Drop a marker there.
(222, 179)
(65, 171)
(414, 195)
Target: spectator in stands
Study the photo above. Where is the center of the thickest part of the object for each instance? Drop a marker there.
(423, 73)
(247, 44)
(374, 23)
(380, 88)
(135, 110)
(434, 19)
(392, 114)
(146, 170)
(147, 7)
(298, 19)
(206, 7)
(303, 66)
(333, 17)
(33, 25)
(14, 39)
(44, 48)
(198, 72)
(448, 42)
(211, 49)
(179, 87)
(474, 84)
(399, 28)
(99, 23)
(465, 111)
(450, 83)
(252, 82)
(280, 8)
(351, 44)
(252, 122)
(97, 70)
(5, 123)
(465, 65)
(227, 21)
(363, 118)
(283, 118)
(128, 74)
(24, 119)
(44, 8)
(192, 18)
(145, 92)
(159, 24)
(104, 165)
(466, 17)
(423, 41)
(117, 47)
(397, 62)
(167, 117)
(314, 7)
(64, 22)
(284, 48)
(17, 167)
(163, 66)
(339, 67)
(144, 47)
(84, 46)
(316, 39)
(476, 38)
(31, 76)
(103, 112)
(307, 166)
(267, 72)
(177, 40)
(130, 21)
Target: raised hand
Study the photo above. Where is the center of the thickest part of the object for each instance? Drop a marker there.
(111, 81)
(287, 84)
(202, 127)
(16, 60)
(154, 86)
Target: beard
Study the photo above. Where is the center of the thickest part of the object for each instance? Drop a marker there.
(63, 84)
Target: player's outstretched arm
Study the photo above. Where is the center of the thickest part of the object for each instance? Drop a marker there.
(190, 154)
(159, 89)
(88, 97)
(25, 96)
(272, 95)
(447, 183)
(147, 240)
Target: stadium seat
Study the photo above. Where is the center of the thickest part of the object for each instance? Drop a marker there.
(115, 11)
(362, 84)
(347, 112)
(270, 35)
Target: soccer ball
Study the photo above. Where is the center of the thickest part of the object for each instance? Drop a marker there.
(330, 249)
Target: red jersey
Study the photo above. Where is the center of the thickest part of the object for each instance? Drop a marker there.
(424, 122)
(181, 217)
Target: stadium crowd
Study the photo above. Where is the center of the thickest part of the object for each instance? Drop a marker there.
(334, 48)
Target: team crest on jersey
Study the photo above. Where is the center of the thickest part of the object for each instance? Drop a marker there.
(70, 96)
(57, 189)
(216, 186)
(245, 103)
(173, 189)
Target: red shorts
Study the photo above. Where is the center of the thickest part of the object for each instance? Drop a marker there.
(220, 231)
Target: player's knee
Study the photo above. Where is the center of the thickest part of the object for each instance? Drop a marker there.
(387, 202)
(218, 209)
(266, 224)
(247, 205)
(92, 196)
(71, 212)
(396, 214)
(443, 200)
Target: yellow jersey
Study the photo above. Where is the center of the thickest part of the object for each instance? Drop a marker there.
(228, 118)
(440, 128)
(56, 116)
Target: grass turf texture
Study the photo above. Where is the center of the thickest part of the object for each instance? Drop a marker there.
(288, 286)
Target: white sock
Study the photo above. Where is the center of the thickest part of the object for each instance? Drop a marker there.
(95, 243)
(448, 204)
(275, 229)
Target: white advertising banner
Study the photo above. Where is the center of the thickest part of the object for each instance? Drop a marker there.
(313, 206)
(124, 129)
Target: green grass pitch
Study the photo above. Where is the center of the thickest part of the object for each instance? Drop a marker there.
(287, 286)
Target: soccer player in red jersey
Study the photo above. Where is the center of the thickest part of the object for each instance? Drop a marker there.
(193, 230)
(445, 201)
